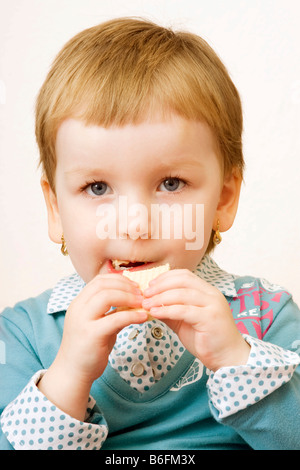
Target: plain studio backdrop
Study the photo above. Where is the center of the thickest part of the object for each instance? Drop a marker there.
(258, 40)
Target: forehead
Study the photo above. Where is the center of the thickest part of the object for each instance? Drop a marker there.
(169, 142)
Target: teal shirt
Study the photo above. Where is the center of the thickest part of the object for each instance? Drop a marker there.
(169, 416)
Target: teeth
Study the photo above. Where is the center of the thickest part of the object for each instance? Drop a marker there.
(121, 265)
(117, 264)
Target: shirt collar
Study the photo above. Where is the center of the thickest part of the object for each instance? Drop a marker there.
(64, 292)
(210, 272)
(69, 287)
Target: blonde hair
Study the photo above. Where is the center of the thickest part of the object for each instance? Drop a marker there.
(127, 69)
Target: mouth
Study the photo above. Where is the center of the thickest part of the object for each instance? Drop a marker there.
(117, 266)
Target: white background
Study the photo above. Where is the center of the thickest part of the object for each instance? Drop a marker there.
(259, 42)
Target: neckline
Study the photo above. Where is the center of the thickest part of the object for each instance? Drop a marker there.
(113, 380)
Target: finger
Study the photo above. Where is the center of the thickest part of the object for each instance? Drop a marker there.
(177, 278)
(99, 304)
(113, 324)
(187, 313)
(105, 282)
(112, 276)
(173, 273)
(183, 296)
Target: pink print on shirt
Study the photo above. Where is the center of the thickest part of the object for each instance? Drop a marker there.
(253, 308)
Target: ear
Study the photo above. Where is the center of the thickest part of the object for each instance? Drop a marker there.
(229, 201)
(54, 222)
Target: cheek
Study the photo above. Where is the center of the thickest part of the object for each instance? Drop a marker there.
(81, 236)
(201, 219)
(209, 217)
(85, 252)
(77, 221)
(79, 227)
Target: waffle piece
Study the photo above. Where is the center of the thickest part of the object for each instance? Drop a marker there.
(143, 277)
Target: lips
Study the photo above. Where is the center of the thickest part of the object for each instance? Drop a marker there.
(117, 266)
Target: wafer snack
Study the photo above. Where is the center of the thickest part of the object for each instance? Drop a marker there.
(143, 277)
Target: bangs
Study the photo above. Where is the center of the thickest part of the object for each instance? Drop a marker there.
(125, 71)
(122, 83)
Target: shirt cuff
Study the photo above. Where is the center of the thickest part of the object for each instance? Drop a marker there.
(32, 422)
(232, 389)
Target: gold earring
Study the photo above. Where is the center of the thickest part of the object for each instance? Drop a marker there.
(217, 236)
(63, 248)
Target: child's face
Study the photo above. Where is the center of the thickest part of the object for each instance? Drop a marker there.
(156, 162)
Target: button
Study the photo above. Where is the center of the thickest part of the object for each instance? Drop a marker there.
(157, 332)
(133, 334)
(137, 369)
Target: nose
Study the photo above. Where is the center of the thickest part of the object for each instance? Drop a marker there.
(134, 218)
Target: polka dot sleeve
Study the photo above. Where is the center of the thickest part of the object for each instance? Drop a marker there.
(32, 422)
(232, 389)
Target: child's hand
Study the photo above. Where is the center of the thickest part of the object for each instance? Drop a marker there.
(89, 332)
(88, 338)
(200, 316)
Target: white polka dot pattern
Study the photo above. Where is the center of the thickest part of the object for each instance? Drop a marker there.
(64, 292)
(269, 367)
(210, 272)
(32, 422)
(152, 345)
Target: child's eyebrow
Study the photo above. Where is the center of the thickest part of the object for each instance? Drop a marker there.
(164, 167)
(83, 171)
(184, 161)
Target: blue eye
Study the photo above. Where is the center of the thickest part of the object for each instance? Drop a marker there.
(97, 189)
(171, 184)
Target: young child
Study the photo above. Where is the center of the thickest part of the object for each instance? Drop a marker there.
(133, 111)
